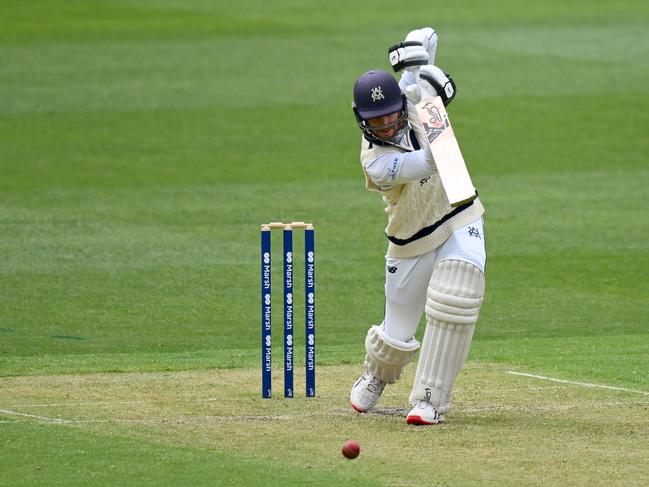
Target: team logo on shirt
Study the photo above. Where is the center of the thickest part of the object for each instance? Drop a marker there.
(392, 172)
(474, 232)
(377, 94)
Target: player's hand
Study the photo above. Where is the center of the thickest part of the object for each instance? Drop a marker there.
(428, 38)
(433, 81)
(407, 54)
(417, 49)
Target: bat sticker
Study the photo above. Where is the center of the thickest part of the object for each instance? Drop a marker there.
(434, 123)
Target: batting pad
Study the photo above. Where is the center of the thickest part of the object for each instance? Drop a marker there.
(386, 357)
(453, 303)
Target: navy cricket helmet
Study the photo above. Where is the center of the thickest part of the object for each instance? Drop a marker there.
(377, 94)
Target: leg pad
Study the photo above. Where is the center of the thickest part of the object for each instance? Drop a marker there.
(454, 297)
(387, 357)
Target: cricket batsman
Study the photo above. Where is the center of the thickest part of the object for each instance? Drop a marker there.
(435, 261)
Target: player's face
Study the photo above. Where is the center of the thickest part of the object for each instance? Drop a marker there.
(385, 127)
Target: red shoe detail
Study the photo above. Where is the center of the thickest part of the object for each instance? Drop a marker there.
(358, 410)
(418, 420)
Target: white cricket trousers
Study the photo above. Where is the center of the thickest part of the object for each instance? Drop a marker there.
(406, 279)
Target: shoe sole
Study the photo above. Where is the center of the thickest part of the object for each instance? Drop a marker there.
(418, 420)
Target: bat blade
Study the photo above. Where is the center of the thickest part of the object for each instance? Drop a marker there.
(446, 151)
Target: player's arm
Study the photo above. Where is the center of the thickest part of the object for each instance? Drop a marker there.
(396, 168)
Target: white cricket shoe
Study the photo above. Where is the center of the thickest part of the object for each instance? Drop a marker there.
(424, 413)
(366, 392)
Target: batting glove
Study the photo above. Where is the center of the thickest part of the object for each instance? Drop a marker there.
(407, 54)
(434, 82)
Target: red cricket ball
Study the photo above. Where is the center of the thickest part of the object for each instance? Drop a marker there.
(351, 449)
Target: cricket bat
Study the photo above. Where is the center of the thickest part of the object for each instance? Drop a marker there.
(446, 151)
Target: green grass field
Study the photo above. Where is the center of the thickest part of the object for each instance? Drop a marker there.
(143, 142)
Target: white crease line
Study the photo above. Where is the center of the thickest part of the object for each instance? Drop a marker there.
(96, 403)
(47, 419)
(34, 416)
(577, 383)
